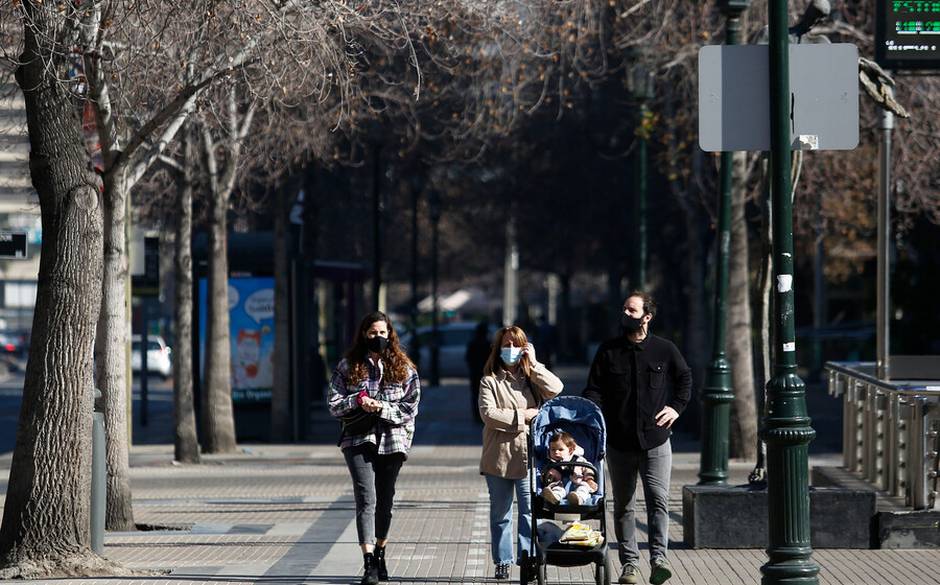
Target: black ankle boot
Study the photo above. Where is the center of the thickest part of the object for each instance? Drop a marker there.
(380, 561)
(370, 570)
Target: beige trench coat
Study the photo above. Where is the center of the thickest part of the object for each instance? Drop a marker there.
(503, 401)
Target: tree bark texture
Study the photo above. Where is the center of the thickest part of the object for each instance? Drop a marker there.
(45, 527)
(281, 392)
(185, 444)
(764, 293)
(218, 417)
(111, 352)
(740, 333)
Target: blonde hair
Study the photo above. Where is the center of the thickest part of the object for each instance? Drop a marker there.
(518, 338)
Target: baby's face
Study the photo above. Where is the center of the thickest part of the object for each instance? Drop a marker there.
(558, 451)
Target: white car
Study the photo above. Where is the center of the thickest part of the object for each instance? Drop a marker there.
(158, 356)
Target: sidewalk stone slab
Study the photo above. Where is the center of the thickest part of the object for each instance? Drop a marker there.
(284, 515)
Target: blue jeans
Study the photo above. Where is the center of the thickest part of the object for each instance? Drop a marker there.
(374, 478)
(501, 490)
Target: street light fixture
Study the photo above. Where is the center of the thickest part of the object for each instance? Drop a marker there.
(434, 209)
(717, 395)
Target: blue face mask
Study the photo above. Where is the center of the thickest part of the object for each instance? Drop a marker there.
(510, 355)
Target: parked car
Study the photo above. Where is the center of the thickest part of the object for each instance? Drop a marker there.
(14, 343)
(158, 356)
(453, 346)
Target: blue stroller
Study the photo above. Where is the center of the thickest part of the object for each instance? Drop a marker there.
(583, 420)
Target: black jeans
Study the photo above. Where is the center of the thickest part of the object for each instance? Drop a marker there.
(374, 478)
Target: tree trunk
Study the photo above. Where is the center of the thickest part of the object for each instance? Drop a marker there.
(45, 527)
(111, 353)
(740, 351)
(281, 392)
(763, 316)
(764, 287)
(218, 418)
(185, 444)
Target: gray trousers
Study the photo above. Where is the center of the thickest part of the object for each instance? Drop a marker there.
(374, 478)
(654, 467)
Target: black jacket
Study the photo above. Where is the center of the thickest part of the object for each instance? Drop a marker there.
(662, 379)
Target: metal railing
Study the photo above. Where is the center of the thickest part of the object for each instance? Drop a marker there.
(890, 431)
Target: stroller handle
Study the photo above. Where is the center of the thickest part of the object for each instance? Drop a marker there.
(564, 464)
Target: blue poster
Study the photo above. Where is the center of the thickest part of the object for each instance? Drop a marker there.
(251, 332)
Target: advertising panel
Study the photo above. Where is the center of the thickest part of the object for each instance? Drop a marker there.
(251, 331)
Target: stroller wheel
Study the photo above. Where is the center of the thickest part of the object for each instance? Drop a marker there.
(526, 569)
(602, 572)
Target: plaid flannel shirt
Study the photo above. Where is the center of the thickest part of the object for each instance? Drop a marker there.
(396, 427)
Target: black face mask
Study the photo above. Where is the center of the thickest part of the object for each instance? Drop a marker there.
(377, 344)
(630, 324)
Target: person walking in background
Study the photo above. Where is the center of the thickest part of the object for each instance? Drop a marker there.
(514, 385)
(376, 383)
(545, 338)
(478, 350)
(642, 384)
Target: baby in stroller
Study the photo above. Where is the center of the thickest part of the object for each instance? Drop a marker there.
(566, 467)
(576, 484)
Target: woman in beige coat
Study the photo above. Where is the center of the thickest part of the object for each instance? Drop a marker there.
(514, 385)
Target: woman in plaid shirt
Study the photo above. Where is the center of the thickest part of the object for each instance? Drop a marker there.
(377, 376)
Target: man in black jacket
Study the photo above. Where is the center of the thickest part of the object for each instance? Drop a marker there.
(642, 384)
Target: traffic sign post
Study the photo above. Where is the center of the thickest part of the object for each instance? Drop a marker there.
(734, 97)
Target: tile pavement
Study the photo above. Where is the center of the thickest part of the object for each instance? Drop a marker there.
(285, 514)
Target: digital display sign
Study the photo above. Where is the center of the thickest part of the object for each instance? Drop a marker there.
(907, 34)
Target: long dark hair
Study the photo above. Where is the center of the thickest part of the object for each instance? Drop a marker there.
(394, 359)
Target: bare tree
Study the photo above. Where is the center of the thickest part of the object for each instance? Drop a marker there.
(46, 513)
(130, 144)
(743, 439)
(185, 443)
(222, 157)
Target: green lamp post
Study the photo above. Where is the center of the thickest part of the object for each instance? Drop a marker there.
(717, 395)
(787, 430)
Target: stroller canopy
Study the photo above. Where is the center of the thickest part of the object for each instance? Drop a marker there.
(575, 415)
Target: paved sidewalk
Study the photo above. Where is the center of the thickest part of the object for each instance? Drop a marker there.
(285, 514)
